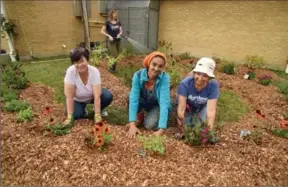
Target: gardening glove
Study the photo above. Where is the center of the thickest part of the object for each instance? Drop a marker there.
(69, 120)
(97, 117)
(111, 38)
(118, 36)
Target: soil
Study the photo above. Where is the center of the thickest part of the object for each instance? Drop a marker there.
(29, 158)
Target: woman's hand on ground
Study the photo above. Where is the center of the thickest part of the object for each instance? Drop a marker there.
(69, 120)
(133, 130)
(159, 132)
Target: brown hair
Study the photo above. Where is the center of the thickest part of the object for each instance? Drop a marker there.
(112, 11)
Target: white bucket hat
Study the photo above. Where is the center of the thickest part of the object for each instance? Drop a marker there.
(205, 65)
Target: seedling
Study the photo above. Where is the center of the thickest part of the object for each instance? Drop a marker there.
(250, 75)
(255, 137)
(228, 67)
(25, 115)
(254, 62)
(281, 132)
(154, 144)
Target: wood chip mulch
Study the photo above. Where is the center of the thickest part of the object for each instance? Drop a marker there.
(29, 158)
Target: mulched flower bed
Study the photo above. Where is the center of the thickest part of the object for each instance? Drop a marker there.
(29, 158)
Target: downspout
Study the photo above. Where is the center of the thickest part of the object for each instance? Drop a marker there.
(12, 52)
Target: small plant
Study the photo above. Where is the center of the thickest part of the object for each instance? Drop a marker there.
(265, 80)
(174, 78)
(14, 76)
(111, 61)
(283, 133)
(255, 137)
(155, 144)
(98, 54)
(185, 55)
(228, 67)
(254, 61)
(285, 116)
(25, 115)
(8, 94)
(165, 47)
(15, 105)
(198, 133)
(251, 75)
(100, 136)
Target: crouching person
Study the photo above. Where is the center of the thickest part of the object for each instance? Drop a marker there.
(150, 93)
(82, 85)
(197, 95)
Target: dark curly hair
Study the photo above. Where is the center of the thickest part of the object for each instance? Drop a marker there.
(77, 54)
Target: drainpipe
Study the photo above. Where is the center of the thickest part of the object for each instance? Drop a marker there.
(8, 37)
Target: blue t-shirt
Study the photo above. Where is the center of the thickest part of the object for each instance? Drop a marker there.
(195, 99)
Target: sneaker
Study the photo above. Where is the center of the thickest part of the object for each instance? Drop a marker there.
(104, 113)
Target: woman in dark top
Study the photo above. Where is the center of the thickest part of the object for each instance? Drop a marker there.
(113, 30)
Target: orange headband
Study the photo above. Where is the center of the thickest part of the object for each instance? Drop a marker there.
(149, 58)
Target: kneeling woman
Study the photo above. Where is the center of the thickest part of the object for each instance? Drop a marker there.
(150, 92)
(82, 85)
(198, 94)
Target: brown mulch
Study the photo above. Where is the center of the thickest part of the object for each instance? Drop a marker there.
(29, 158)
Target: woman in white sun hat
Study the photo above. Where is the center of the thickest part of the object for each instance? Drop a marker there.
(197, 94)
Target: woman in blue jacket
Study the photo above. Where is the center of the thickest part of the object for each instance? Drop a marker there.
(150, 93)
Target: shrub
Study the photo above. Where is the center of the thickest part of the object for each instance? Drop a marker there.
(25, 115)
(14, 76)
(228, 67)
(265, 80)
(251, 74)
(111, 61)
(185, 55)
(15, 105)
(98, 54)
(254, 61)
(8, 94)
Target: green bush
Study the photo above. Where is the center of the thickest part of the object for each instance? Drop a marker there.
(25, 115)
(185, 55)
(265, 80)
(283, 133)
(228, 67)
(254, 61)
(13, 76)
(8, 94)
(251, 74)
(15, 105)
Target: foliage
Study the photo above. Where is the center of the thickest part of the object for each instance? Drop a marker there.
(155, 144)
(228, 67)
(58, 129)
(281, 132)
(111, 61)
(255, 136)
(99, 137)
(198, 133)
(265, 80)
(254, 61)
(185, 55)
(14, 76)
(175, 78)
(251, 74)
(8, 94)
(165, 47)
(15, 105)
(98, 54)
(285, 116)
(25, 115)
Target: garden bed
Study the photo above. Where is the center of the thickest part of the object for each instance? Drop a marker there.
(29, 158)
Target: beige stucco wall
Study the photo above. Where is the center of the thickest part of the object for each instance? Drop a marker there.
(230, 29)
(45, 26)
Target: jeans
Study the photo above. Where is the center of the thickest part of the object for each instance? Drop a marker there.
(152, 117)
(79, 107)
(202, 114)
(115, 48)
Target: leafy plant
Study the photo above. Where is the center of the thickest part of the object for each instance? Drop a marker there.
(6, 25)
(265, 80)
(254, 61)
(174, 79)
(99, 137)
(111, 61)
(14, 76)
(251, 74)
(281, 132)
(255, 136)
(185, 55)
(15, 105)
(8, 94)
(25, 115)
(165, 47)
(98, 54)
(198, 133)
(228, 67)
(155, 144)
(58, 129)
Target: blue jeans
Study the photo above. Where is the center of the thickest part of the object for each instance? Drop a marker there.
(152, 117)
(202, 114)
(79, 107)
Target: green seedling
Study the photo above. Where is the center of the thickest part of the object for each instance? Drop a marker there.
(15, 105)
(155, 144)
(25, 115)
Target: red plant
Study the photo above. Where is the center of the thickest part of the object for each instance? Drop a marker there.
(284, 124)
(259, 115)
(47, 110)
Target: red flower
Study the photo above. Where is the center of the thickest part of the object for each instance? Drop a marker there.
(47, 110)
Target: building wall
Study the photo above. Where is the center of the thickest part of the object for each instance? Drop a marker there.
(229, 29)
(44, 26)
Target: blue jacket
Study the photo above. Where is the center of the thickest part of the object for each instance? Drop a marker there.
(162, 92)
